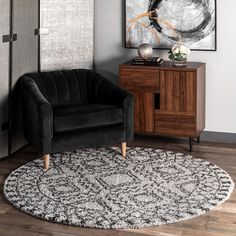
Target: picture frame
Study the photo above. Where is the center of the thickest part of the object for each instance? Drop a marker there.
(170, 23)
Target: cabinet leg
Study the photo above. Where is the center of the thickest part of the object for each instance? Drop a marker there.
(198, 139)
(190, 144)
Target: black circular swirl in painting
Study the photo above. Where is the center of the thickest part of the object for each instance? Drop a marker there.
(187, 21)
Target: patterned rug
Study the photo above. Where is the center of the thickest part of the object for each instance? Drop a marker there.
(97, 188)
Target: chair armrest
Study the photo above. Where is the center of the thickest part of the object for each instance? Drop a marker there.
(105, 92)
(38, 116)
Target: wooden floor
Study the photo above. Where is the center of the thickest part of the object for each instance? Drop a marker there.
(221, 221)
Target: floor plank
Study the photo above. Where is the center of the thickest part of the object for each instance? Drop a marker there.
(219, 222)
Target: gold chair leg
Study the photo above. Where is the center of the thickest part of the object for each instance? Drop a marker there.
(123, 149)
(46, 161)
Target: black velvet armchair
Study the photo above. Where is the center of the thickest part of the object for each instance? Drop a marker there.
(66, 110)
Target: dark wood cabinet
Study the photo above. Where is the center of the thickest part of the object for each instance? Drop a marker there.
(168, 100)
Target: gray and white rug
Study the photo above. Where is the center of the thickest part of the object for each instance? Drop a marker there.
(99, 189)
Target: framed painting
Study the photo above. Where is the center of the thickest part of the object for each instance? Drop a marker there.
(163, 23)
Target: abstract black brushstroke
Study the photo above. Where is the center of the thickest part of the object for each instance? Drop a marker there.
(192, 31)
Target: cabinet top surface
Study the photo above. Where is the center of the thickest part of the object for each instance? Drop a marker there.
(166, 65)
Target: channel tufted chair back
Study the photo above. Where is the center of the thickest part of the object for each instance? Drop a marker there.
(70, 109)
(71, 86)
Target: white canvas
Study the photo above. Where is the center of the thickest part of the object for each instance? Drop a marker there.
(163, 23)
(68, 44)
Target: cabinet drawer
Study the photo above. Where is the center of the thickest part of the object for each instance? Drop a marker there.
(179, 125)
(135, 79)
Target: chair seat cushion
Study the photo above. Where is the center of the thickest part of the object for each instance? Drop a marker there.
(76, 116)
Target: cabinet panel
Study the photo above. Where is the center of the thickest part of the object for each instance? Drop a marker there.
(146, 112)
(172, 124)
(136, 110)
(4, 75)
(201, 95)
(143, 112)
(24, 59)
(136, 79)
(168, 100)
(178, 91)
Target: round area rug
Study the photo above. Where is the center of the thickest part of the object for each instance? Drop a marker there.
(98, 188)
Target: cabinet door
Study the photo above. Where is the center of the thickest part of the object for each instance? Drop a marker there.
(178, 91)
(143, 84)
(4, 76)
(143, 80)
(24, 59)
(177, 114)
(146, 112)
(136, 110)
(143, 112)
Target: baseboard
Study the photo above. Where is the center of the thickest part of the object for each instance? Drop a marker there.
(218, 137)
(16, 151)
(208, 136)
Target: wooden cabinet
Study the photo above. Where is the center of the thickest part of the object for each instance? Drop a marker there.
(168, 100)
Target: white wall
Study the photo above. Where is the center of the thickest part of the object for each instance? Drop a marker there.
(221, 65)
